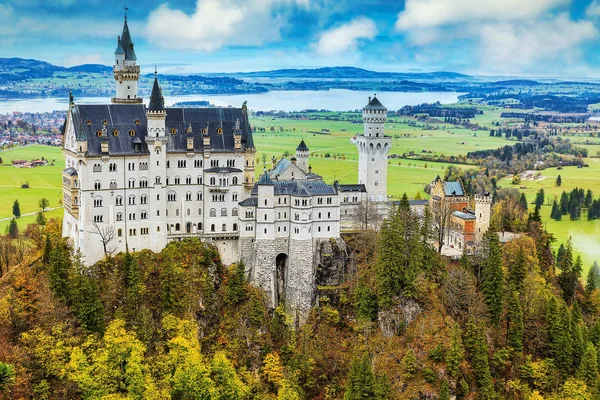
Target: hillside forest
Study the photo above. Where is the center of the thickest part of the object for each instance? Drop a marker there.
(511, 321)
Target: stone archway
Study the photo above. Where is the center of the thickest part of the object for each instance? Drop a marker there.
(281, 262)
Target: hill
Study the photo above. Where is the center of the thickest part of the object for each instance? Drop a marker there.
(17, 69)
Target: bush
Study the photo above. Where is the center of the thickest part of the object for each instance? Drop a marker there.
(429, 375)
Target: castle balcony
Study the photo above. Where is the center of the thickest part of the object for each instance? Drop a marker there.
(217, 188)
(221, 235)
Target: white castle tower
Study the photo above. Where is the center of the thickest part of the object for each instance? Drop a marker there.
(302, 156)
(483, 210)
(125, 71)
(373, 148)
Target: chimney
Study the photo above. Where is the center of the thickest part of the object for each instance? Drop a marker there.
(369, 99)
(293, 160)
(310, 169)
(273, 162)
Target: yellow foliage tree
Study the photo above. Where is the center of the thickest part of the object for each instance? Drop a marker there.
(272, 370)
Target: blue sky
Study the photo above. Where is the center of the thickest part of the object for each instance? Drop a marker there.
(489, 37)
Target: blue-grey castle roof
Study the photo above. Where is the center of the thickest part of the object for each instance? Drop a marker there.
(302, 146)
(374, 104)
(296, 187)
(88, 120)
(126, 42)
(453, 189)
(157, 101)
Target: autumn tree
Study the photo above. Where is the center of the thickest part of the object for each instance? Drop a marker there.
(7, 376)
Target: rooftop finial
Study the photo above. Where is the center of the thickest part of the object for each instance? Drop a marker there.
(155, 72)
(71, 100)
(126, 11)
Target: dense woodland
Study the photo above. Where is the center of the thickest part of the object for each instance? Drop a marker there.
(509, 321)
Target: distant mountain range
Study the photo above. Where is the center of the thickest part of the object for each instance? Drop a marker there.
(15, 69)
(19, 68)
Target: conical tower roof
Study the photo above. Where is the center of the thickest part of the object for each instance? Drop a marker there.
(127, 43)
(157, 101)
(119, 49)
(302, 146)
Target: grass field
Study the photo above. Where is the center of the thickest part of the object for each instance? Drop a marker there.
(43, 182)
(585, 234)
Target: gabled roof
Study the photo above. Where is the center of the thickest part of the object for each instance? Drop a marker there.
(374, 104)
(418, 202)
(302, 146)
(249, 202)
(299, 187)
(265, 179)
(70, 171)
(453, 189)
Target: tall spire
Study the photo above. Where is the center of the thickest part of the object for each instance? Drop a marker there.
(157, 101)
(126, 41)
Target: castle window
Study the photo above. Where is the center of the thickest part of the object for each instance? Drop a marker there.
(144, 183)
(171, 196)
(199, 226)
(131, 200)
(97, 202)
(265, 231)
(199, 196)
(97, 168)
(319, 229)
(98, 218)
(177, 212)
(329, 200)
(97, 185)
(235, 227)
(328, 215)
(224, 227)
(173, 131)
(234, 212)
(213, 181)
(119, 217)
(213, 212)
(118, 201)
(220, 131)
(234, 181)
(137, 122)
(144, 199)
(157, 180)
(177, 227)
(376, 183)
(234, 197)
(131, 183)
(319, 215)
(132, 216)
(328, 228)
(88, 122)
(177, 180)
(188, 196)
(188, 180)
(104, 122)
(119, 232)
(115, 133)
(144, 215)
(132, 133)
(212, 227)
(99, 133)
(199, 211)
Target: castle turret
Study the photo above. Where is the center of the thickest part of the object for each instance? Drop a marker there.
(125, 70)
(483, 211)
(373, 148)
(156, 113)
(302, 152)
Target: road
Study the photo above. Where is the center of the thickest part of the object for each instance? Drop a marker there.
(27, 214)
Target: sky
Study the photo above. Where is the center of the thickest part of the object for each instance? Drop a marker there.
(538, 38)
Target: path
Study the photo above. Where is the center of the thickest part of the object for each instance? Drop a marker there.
(27, 214)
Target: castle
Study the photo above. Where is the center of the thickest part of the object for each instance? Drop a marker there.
(137, 177)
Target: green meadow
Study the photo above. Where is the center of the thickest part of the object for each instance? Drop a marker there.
(43, 182)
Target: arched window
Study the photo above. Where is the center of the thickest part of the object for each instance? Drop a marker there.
(234, 212)
(131, 200)
(234, 181)
(212, 228)
(235, 228)
(118, 201)
(213, 212)
(213, 181)
(97, 185)
(119, 216)
(188, 196)
(171, 196)
(177, 227)
(224, 227)
(144, 199)
(199, 196)
(199, 226)
(223, 212)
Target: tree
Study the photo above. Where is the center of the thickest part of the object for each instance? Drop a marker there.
(7, 376)
(235, 291)
(564, 203)
(588, 369)
(13, 229)
(539, 198)
(47, 250)
(16, 209)
(59, 271)
(477, 349)
(514, 320)
(555, 214)
(43, 204)
(589, 197)
(570, 272)
(593, 278)
(40, 218)
(558, 181)
(523, 201)
(365, 302)
(227, 383)
(360, 384)
(518, 270)
(441, 218)
(366, 216)
(492, 278)
(456, 352)
(107, 234)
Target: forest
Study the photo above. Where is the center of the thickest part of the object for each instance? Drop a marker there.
(511, 321)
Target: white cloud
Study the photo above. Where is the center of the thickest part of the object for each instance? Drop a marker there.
(525, 45)
(430, 13)
(218, 23)
(79, 59)
(346, 37)
(593, 10)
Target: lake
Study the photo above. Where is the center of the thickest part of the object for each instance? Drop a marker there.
(335, 100)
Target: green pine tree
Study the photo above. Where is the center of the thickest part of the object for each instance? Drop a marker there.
(492, 278)
(444, 391)
(361, 381)
(59, 271)
(365, 303)
(13, 229)
(593, 278)
(477, 350)
(564, 203)
(85, 298)
(515, 322)
(570, 272)
(7, 376)
(16, 209)
(589, 197)
(588, 369)
(555, 213)
(168, 281)
(456, 352)
(558, 181)
(235, 291)
(523, 202)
